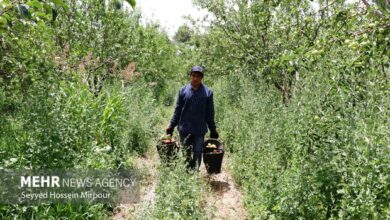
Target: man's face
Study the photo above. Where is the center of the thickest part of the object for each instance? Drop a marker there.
(196, 78)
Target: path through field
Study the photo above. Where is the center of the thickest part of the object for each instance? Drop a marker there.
(148, 166)
(226, 201)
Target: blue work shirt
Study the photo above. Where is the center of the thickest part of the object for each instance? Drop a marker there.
(194, 110)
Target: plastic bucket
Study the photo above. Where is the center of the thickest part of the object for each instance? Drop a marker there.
(212, 157)
(167, 151)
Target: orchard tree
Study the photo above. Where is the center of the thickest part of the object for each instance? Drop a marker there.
(183, 34)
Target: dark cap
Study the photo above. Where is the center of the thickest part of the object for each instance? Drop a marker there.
(197, 69)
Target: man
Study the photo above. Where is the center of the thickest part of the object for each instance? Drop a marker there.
(193, 112)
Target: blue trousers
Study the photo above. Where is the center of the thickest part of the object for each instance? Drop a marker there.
(193, 144)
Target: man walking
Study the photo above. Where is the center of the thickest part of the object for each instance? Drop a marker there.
(193, 112)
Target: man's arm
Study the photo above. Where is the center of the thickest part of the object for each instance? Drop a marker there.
(178, 109)
(210, 114)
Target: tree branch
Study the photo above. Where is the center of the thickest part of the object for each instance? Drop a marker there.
(375, 11)
(8, 8)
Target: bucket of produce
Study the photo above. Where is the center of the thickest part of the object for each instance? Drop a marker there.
(167, 148)
(213, 152)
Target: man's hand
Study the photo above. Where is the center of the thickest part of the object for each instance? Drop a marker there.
(214, 134)
(169, 131)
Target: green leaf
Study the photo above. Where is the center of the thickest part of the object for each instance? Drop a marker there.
(34, 4)
(132, 3)
(59, 3)
(8, 17)
(3, 21)
(42, 15)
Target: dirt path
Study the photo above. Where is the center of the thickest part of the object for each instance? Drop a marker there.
(225, 201)
(148, 166)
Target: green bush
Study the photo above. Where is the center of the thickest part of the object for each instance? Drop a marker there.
(180, 193)
(301, 102)
(77, 90)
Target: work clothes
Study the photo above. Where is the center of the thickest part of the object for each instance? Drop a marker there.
(194, 110)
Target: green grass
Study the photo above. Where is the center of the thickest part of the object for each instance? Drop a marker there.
(321, 157)
(180, 193)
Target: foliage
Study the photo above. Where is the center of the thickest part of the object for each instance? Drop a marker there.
(49, 211)
(180, 193)
(301, 96)
(277, 40)
(183, 34)
(80, 87)
(302, 104)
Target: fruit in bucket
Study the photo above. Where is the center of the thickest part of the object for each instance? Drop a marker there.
(216, 152)
(166, 138)
(209, 145)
